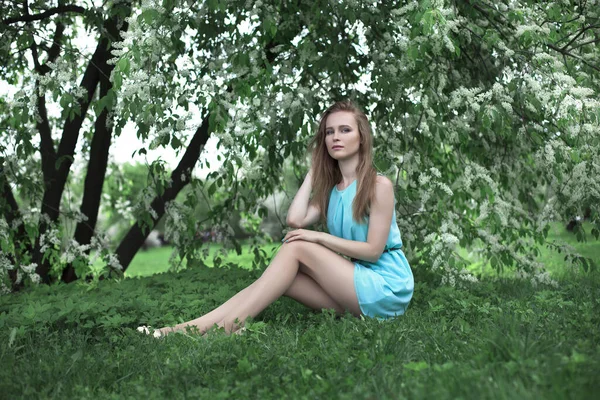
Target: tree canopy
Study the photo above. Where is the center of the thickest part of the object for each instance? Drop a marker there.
(485, 116)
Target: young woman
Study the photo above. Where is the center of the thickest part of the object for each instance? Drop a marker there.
(358, 206)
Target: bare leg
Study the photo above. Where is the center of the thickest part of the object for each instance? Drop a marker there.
(305, 290)
(207, 321)
(331, 272)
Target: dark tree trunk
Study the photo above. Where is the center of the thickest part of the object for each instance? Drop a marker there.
(46, 145)
(94, 180)
(10, 208)
(134, 239)
(66, 149)
(96, 170)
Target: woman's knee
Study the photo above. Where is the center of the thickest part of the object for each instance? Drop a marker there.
(296, 247)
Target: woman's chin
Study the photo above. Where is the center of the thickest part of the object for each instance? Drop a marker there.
(343, 157)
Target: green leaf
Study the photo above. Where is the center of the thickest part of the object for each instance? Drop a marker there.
(575, 157)
(495, 263)
(213, 5)
(65, 100)
(150, 15)
(269, 27)
(175, 142)
(412, 52)
(99, 106)
(427, 22)
(212, 189)
(117, 80)
(124, 65)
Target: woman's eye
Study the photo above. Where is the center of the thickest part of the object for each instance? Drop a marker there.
(328, 132)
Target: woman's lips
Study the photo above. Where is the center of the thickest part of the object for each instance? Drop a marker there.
(336, 148)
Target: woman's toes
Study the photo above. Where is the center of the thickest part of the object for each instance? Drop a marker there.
(240, 331)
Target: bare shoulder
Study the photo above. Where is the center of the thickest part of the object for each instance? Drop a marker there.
(384, 189)
(383, 183)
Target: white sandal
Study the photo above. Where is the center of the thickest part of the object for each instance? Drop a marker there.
(149, 330)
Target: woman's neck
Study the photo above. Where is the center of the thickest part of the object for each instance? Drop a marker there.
(348, 170)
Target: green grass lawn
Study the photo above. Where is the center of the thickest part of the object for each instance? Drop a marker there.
(498, 339)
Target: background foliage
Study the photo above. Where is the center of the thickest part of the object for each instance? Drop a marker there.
(486, 118)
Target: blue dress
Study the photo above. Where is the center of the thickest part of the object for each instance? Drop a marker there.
(384, 288)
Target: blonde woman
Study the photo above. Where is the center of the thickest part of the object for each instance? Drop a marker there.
(375, 280)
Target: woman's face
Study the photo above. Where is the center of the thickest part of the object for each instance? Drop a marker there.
(341, 135)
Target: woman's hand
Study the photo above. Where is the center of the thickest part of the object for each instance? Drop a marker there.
(303, 234)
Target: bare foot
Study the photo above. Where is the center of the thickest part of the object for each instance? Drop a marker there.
(178, 329)
(239, 331)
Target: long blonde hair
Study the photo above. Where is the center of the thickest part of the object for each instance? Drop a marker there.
(327, 174)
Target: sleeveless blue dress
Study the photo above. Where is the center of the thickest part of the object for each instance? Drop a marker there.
(384, 288)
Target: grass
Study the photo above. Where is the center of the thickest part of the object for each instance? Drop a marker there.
(153, 261)
(498, 339)
(553, 261)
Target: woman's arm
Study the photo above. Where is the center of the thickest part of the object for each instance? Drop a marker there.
(301, 214)
(380, 220)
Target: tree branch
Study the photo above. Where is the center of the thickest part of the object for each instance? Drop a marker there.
(46, 144)
(585, 43)
(53, 51)
(135, 237)
(581, 32)
(489, 18)
(47, 150)
(566, 53)
(45, 14)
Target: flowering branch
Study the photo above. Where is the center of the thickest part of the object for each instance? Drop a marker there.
(54, 50)
(567, 53)
(45, 14)
(581, 32)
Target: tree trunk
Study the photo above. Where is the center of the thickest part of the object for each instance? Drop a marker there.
(66, 149)
(134, 239)
(10, 208)
(96, 170)
(94, 180)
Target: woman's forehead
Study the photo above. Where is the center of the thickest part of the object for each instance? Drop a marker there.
(340, 118)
